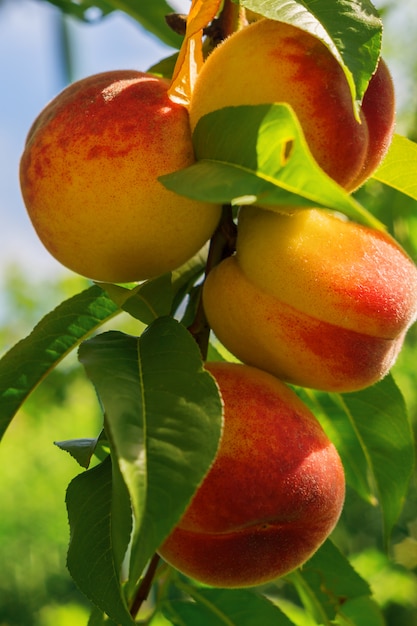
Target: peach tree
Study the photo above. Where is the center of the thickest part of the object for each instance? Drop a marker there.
(233, 184)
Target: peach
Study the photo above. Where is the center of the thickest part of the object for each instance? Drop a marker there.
(89, 175)
(378, 108)
(314, 299)
(273, 494)
(270, 61)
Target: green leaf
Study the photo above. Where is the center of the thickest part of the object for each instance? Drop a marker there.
(296, 613)
(98, 618)
(94, 559)
(82, 10)
(326, 581)
(220, 607)
(379, 416)
(186, 276)
(160, 296)
(165, 67)
(360, 612)
(80, 449)
(163, 416)
(372, 433)
(331, 413)
(351, 29)
(158, 619)
(268, 165)
(145, 302)
(57, 334)
(398, 169)
(151, 15)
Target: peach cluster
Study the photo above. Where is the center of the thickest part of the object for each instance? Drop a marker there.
(308, 298)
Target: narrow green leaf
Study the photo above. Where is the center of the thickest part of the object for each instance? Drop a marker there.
(94, 560)
(269, 165)
(224, 607)
(145, 302)
(59, 332)
(379, 416)
(160, 296)
(398, 169)
(351, 29)
(296, 613)
(187, 275)
(164, 415)
(326, 582)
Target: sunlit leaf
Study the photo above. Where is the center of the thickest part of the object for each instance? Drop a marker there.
(399, 168)
(57, 334)
(351, 29)
(268, 165)
(163, 415)
(190, 59)
(94, 559)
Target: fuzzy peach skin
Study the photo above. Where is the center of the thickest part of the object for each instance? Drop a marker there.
(270, 61)
(378, 108)
(273, 494)
(316, 300)
(89, 179)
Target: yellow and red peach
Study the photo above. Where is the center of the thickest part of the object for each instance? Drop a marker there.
(270, 61)
(378, 108)
(273, 494)
(89, 175)
(314, 299)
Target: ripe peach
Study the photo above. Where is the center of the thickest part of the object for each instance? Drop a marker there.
(378, 108)
(270, 61)
(89, 179)
(314, 299)
(273, 494)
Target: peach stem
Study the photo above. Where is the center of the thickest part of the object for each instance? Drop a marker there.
(144, 587)
(222, 245)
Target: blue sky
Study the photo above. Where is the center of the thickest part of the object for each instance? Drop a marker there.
(30, 77)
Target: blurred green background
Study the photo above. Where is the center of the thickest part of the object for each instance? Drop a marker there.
(35, 587)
